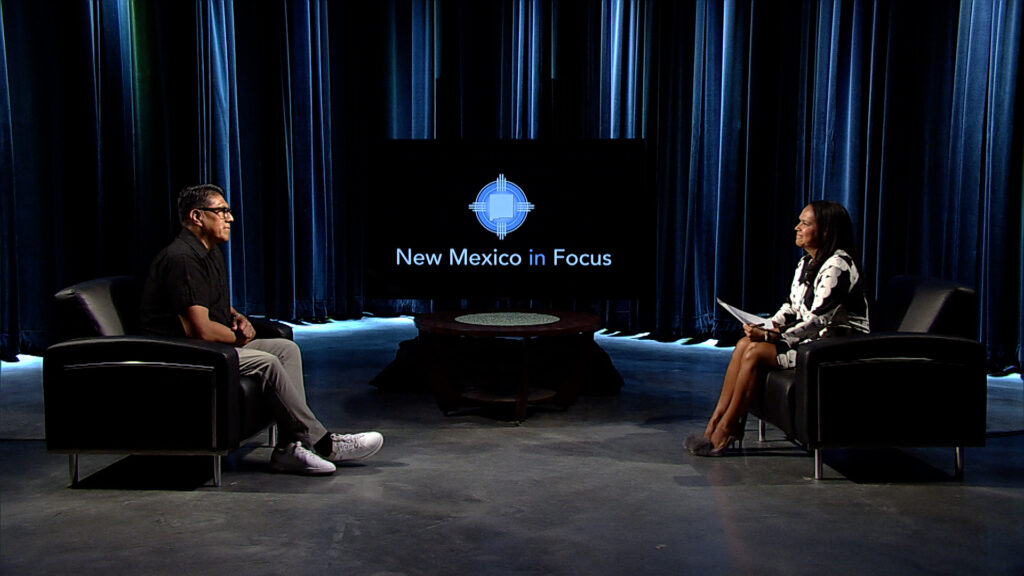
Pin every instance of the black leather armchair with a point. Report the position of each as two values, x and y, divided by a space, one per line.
108 389
917 380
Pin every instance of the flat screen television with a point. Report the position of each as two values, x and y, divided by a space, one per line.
510 219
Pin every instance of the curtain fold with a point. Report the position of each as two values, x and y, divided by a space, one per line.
522 70
701 185
307 119
1000 257
68 157
9 301
291 274
219 159
411 33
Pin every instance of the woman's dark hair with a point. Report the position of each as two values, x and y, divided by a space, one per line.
835 232
194 197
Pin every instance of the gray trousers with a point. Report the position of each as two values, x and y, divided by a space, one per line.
277 363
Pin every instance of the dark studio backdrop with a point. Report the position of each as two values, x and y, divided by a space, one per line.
906 112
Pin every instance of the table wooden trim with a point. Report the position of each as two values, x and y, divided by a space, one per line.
436 327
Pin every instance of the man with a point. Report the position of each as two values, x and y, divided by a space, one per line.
186 294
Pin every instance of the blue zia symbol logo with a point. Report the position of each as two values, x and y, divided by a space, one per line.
501 207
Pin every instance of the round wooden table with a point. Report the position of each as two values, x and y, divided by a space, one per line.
441 331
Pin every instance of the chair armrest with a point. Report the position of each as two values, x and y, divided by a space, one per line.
891 345
891 389
271 329
124 393
142 348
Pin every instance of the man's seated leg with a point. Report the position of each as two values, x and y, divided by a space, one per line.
286 396
278 363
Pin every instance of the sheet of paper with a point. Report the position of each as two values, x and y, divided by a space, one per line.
747 317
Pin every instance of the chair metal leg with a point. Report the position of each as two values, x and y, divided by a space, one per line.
272 435
818 467
760 430
73 468
216 470
959 464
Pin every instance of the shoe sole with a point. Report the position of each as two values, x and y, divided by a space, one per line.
301 472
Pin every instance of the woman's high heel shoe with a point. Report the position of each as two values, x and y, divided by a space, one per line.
701 445
708 449
693 441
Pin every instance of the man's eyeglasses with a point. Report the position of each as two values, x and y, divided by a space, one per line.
222 211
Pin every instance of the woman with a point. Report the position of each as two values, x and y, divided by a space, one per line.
825 299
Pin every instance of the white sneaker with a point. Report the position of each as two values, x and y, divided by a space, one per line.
355 446
297 459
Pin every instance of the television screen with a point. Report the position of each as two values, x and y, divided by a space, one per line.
510 219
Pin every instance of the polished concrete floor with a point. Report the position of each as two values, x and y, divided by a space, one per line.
602 488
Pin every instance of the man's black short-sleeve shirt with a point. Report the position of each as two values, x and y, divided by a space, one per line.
184 274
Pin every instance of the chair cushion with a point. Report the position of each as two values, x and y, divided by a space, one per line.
100 307
927 305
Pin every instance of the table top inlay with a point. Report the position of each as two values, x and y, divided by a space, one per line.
507 319
543 323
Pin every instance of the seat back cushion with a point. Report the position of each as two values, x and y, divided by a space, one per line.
101 307
930 305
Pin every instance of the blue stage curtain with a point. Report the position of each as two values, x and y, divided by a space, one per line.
490 72
908 113
701 144
68 158
999 269
412 68
522 72
622 56
115 106
905 115
291 274
217 136
9 313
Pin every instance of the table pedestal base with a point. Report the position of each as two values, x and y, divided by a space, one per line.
474 365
